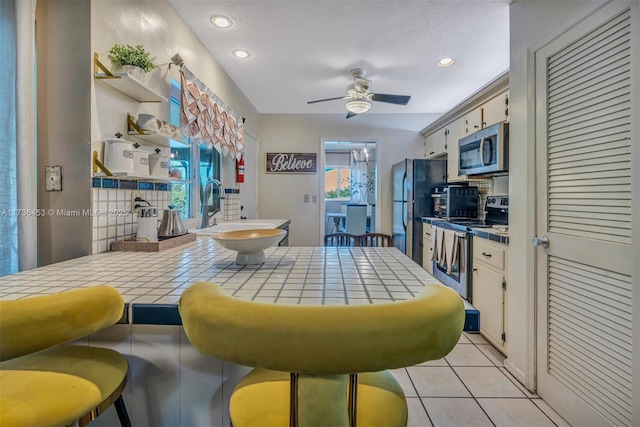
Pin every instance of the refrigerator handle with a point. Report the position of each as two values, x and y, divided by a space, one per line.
404 215
404 187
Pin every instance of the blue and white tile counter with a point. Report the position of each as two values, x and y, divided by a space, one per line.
291 275
170 383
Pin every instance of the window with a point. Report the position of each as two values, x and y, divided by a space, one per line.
179 161
337 182
209 168
196 164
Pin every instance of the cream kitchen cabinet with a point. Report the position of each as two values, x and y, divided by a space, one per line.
473 121
496 110
435 144
489 288
456 131
484 108
427 248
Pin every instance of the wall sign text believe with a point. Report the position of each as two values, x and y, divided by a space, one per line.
291 162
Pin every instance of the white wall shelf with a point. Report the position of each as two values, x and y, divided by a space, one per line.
133 177
125 83
150 136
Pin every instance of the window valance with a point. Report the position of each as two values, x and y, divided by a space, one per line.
204 117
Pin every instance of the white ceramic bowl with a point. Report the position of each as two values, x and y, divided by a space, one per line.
250 244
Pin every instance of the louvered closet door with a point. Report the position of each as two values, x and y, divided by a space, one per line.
584 172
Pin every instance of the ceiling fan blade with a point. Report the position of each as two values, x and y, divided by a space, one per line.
391 99
350 114
328 99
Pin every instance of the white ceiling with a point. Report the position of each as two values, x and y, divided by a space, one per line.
303 50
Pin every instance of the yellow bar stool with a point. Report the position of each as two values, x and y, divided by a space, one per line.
321 365
43 383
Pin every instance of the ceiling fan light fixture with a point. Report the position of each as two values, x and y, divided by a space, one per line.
358 106
242 54
221 21
445 62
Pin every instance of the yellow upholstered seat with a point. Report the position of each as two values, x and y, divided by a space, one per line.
42 384
324 346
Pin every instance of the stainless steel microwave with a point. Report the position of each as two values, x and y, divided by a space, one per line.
485 151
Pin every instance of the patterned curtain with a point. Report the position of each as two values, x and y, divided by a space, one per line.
206 118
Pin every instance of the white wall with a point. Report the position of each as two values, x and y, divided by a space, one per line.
532 24
281 195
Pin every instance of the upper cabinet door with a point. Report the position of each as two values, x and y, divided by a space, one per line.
456 130
496 110
473 121
436 144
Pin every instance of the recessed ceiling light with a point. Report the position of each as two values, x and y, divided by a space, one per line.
242 54
446 61
221 21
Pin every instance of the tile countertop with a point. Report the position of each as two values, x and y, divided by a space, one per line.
152 282
486 233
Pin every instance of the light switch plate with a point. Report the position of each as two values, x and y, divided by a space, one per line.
53 178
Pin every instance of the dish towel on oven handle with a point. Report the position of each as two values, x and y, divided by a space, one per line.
450 248
438 246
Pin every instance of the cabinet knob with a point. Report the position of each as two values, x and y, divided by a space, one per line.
486 254
475 270
431 152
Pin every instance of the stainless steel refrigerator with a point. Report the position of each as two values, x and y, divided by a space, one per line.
413 182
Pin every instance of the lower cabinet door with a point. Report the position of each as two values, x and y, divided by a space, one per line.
488 298
427 253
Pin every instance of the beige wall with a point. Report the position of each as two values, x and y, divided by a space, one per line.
532 24
64 126
282 195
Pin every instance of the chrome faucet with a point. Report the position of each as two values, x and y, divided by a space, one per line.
206 214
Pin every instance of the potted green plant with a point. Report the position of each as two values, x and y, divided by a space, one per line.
135 60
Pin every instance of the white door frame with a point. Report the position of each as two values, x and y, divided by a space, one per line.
321 166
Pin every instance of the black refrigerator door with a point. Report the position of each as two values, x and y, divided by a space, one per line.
427 175
399 225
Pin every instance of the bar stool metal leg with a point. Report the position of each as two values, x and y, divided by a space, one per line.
122 412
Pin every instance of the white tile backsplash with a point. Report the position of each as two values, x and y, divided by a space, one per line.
113 220
231 207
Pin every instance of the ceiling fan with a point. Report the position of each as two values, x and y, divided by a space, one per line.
360 98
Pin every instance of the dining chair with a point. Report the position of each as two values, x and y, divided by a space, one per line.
375 239
340 239
44 383
321 365
356 219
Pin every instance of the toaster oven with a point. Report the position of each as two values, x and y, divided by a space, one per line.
455 201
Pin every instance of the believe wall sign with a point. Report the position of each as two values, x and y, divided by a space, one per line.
291 162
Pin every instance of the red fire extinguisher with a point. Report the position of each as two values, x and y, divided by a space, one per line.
240 169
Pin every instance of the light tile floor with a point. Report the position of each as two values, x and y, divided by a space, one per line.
471 387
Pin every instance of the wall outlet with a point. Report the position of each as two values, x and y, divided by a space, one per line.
53 178
135 194
306 198
314 199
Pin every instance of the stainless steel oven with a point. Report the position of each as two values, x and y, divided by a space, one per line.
496 214
458 278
